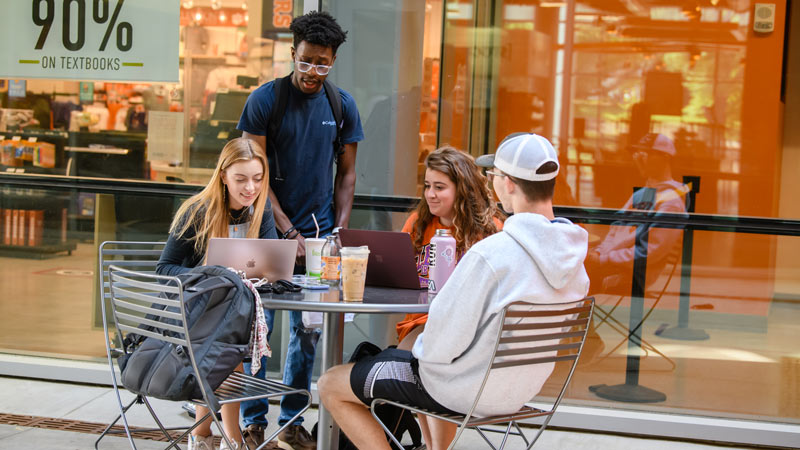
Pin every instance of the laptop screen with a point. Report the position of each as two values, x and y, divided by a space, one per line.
392 261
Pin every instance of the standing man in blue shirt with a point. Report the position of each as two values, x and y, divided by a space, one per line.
301 157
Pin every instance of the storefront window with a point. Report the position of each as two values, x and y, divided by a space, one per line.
128 142
168 132
595 80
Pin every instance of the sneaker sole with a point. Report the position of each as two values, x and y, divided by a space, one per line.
287 446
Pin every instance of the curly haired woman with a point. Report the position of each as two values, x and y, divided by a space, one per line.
456 197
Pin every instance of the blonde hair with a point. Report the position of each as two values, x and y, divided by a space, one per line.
208 212
474 207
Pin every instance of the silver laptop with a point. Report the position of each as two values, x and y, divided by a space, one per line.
272 259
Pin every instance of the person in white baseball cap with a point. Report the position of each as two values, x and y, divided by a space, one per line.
521 155
525 163
536 258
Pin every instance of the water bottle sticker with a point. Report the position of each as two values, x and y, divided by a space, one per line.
448 255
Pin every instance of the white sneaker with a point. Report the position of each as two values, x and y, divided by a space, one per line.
224 446
201 442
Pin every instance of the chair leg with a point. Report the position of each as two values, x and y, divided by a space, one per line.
155 418
108 428
174 442
603 316
291 421
505 436
122 411
622 329
385 428
143 400
485 438
521 434
539 431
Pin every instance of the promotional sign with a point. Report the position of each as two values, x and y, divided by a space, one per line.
165 136
112 40
16 88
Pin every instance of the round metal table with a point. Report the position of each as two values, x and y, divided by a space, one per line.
377 300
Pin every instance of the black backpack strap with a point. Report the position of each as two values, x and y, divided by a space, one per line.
335 100
281 88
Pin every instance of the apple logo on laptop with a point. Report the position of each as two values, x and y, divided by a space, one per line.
251 263
379 258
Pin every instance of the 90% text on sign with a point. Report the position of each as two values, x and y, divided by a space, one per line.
100 40
73 17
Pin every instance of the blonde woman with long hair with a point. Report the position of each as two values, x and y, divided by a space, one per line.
234 204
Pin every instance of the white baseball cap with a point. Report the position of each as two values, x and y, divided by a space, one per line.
521 155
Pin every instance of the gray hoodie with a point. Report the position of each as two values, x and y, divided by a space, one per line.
533 260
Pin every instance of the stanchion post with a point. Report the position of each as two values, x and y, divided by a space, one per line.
682 330
631 390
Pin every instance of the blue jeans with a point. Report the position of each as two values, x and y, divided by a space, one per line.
297 372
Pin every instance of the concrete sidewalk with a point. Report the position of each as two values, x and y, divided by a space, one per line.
97 405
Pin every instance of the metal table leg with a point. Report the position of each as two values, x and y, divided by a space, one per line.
332 347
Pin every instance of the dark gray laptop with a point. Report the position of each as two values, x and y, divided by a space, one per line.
392 260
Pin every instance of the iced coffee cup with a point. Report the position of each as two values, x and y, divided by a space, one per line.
354 272
314 257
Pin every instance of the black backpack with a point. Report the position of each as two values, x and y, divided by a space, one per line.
281 88
397 419
220 311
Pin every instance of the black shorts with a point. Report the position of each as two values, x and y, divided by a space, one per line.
392 375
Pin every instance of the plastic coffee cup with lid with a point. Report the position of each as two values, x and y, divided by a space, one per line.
354 272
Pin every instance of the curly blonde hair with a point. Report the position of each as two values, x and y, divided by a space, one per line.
474 206
208 210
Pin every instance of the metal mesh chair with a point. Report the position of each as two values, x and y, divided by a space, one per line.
133 294
530 334
656 293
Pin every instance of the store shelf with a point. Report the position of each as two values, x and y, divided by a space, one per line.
38 252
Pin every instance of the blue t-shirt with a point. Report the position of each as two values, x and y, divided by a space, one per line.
304 148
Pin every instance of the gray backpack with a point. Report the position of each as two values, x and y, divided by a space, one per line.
220 313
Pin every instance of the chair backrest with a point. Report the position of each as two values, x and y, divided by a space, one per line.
139 256
137 301
541 333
